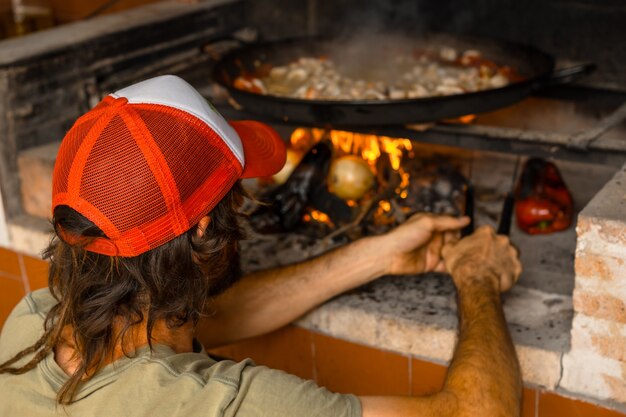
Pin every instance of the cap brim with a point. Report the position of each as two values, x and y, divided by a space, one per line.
264 150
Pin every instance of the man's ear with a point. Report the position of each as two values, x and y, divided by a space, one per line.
202 225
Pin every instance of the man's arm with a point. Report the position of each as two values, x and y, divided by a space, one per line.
483 378
267 300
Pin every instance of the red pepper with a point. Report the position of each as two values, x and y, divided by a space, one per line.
543 204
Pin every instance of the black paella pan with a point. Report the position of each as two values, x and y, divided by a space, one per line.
534 67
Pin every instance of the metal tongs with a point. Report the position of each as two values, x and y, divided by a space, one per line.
506 214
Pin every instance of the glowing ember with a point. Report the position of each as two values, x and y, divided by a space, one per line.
463 120
318 216
404 183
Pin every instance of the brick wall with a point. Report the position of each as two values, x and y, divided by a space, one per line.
596 363
71 10
48 79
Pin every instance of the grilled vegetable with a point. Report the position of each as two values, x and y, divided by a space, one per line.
286 204
350 177
543 204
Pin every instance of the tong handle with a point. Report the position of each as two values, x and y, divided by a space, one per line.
469 210
504 227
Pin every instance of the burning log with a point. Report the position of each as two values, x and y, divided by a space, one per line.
284 206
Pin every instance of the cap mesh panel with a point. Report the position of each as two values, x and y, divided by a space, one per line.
121 190
67 151
132 196
190 150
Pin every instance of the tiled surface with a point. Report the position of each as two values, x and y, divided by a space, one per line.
288 349
529 401
350 368
36 271
552 405
426 377
18 275
9 262
11 292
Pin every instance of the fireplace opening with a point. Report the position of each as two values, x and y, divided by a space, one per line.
411 177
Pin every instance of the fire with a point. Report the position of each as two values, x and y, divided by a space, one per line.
368 147
301 139
385 206
463 120
404 183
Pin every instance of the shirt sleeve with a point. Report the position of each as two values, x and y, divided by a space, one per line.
269 392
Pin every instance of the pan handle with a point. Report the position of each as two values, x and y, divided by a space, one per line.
222 44
566 75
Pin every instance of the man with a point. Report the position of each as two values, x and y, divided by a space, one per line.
144 266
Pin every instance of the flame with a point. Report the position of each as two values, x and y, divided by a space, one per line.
463 120
302 139
394 148
368 147
404 183
383 214
342 140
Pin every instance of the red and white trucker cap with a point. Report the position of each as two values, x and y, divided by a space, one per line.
150 160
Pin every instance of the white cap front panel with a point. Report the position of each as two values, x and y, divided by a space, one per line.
173 91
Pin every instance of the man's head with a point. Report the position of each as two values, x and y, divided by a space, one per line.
148 162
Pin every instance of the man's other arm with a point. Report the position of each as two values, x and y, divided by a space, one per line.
483 378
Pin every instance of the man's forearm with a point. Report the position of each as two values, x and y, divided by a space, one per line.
484 373
483 378
266 300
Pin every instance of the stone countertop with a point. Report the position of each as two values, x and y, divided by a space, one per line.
416 315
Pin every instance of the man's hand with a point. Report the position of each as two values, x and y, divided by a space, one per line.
415 246
483 256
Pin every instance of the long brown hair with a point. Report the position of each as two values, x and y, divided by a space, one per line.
172 282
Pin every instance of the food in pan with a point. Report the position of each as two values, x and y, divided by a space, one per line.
422 74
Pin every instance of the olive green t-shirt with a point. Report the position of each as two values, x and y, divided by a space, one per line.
155 384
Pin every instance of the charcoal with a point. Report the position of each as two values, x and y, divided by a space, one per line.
285 205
